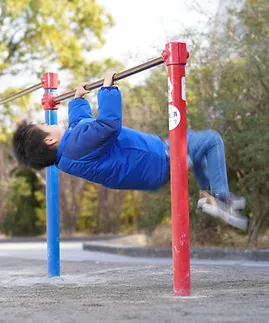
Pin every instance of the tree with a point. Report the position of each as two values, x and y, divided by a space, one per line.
228 90
25 203
35 34
251 119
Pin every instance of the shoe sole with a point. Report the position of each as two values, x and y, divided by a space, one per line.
239 222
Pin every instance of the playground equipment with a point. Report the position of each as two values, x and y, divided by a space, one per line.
175 56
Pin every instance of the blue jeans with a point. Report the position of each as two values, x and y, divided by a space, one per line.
206 158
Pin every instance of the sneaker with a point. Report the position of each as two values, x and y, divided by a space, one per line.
236 202
226 212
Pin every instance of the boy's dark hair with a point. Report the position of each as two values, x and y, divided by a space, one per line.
29 146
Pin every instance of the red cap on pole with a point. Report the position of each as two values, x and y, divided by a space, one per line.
175 56
49 83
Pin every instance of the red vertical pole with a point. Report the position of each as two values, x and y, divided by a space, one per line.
175 56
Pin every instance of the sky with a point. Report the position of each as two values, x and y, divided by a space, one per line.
144 26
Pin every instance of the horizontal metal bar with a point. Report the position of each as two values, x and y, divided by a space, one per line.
21 93
117 77
92 86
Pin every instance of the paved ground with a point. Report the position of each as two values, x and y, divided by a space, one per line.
96 287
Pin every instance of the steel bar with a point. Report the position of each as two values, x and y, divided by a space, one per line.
117 77
21 93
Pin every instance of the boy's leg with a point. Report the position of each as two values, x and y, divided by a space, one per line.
197 150
206 150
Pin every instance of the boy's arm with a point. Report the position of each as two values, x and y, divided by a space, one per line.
110 105
109 102
79 108
99 134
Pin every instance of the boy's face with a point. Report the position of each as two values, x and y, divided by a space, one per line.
55 133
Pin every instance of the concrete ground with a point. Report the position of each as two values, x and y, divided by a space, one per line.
96 287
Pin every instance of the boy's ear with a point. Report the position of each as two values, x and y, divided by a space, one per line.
50 141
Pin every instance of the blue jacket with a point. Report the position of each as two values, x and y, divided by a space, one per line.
103 151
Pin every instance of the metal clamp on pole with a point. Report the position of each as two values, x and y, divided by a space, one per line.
50 84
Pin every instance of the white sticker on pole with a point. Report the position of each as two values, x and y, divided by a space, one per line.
183 88
174 117
170 89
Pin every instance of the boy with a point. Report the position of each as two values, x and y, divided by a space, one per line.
103 151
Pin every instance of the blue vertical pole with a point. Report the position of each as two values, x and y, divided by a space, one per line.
52 201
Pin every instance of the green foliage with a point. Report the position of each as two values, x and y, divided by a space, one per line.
50 31
156 209
247 116
145 106
25 213
88 209
131 211
231 93
37 36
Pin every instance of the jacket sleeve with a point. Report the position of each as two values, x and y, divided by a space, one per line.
110 104
96 137
78 109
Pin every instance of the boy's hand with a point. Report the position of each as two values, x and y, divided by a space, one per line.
81 91
108 79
